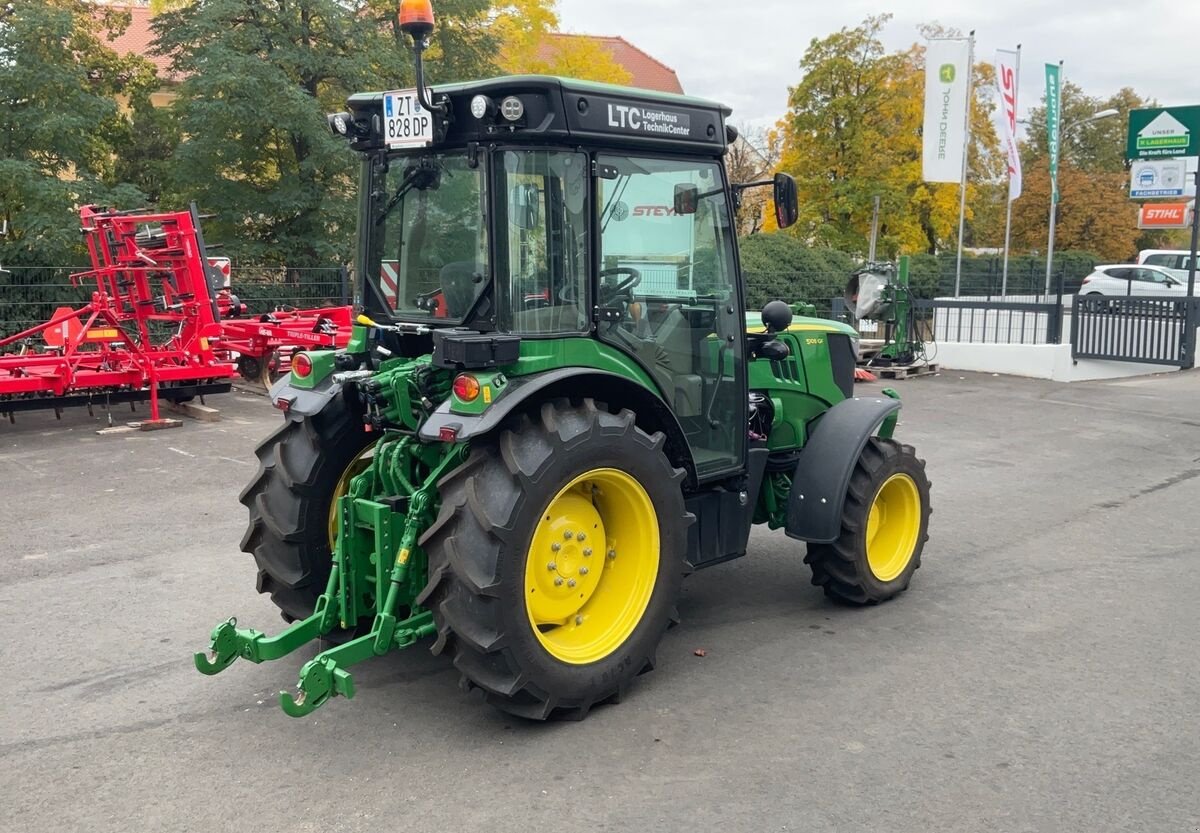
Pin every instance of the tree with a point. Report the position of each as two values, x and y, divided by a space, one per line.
1093 146
1095 213
753 157
525 27
59 123
1098 149
853 132
260 75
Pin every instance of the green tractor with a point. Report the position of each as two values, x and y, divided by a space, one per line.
554 406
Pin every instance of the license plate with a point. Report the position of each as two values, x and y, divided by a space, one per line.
405 122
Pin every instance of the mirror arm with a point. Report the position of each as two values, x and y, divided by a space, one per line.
424 94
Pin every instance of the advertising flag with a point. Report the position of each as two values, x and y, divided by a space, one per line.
1053 119
1006 116
947 77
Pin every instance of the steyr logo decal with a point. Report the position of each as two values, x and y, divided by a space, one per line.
946 73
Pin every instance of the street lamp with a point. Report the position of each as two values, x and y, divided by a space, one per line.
1103 114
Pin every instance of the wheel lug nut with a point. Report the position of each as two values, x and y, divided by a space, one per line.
578 620
612 553
551 566
583 571
581 536
570 583
568 535
587 552
555 547
558 582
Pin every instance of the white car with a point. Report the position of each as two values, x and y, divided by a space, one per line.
1175 261
1119 280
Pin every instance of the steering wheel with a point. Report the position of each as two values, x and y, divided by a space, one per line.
621 290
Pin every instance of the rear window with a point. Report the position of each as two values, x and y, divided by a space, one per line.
1168 261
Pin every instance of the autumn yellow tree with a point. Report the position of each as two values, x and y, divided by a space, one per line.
526 29
1095 213
853 132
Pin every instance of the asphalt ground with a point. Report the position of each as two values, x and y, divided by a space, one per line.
1041 674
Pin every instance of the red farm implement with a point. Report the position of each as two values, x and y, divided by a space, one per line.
264 344
162 323
147 332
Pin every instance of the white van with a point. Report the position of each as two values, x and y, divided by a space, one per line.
1175 261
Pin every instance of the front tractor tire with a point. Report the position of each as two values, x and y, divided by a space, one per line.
557 559
304 466
885 523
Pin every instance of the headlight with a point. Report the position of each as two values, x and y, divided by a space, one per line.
512 108
481 106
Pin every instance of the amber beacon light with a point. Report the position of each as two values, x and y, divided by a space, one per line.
416 18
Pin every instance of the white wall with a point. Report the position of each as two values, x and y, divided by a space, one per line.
1037 361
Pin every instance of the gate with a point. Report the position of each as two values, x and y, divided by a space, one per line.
1135 329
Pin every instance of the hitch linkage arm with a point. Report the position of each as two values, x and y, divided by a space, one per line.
230 642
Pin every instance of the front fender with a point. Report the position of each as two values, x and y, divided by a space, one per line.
827 463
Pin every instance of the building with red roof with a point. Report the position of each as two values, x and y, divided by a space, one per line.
647 72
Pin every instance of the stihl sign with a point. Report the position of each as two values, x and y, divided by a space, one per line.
1163 215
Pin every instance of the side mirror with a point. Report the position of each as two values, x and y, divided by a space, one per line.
524 202
787 206
687 198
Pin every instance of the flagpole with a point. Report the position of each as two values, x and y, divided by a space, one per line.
962 186
1054 178
1008 218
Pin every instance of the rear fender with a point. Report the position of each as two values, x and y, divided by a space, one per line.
826 465
523 392
304 401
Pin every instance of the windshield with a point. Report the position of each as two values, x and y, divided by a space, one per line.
430 218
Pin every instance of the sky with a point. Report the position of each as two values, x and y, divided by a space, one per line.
746 53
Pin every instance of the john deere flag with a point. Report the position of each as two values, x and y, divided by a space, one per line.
947 76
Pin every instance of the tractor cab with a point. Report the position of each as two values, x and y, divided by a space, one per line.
559 210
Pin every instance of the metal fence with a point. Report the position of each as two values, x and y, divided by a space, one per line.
29 295
985 321
1135 329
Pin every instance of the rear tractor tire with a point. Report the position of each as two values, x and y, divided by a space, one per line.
304 467
885 524
557 559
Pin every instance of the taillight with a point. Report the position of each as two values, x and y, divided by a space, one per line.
466 387
1087 279
302 365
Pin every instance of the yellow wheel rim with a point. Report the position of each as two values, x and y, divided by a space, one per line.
591 566
357 466
893 527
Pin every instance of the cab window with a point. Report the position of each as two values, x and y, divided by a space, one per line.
545 242
431 219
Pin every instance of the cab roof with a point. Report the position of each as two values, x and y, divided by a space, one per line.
562 109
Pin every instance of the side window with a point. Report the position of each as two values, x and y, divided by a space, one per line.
546 242
1150 276
1120 274
1159 260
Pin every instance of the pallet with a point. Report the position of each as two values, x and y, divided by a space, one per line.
868 349
906 371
